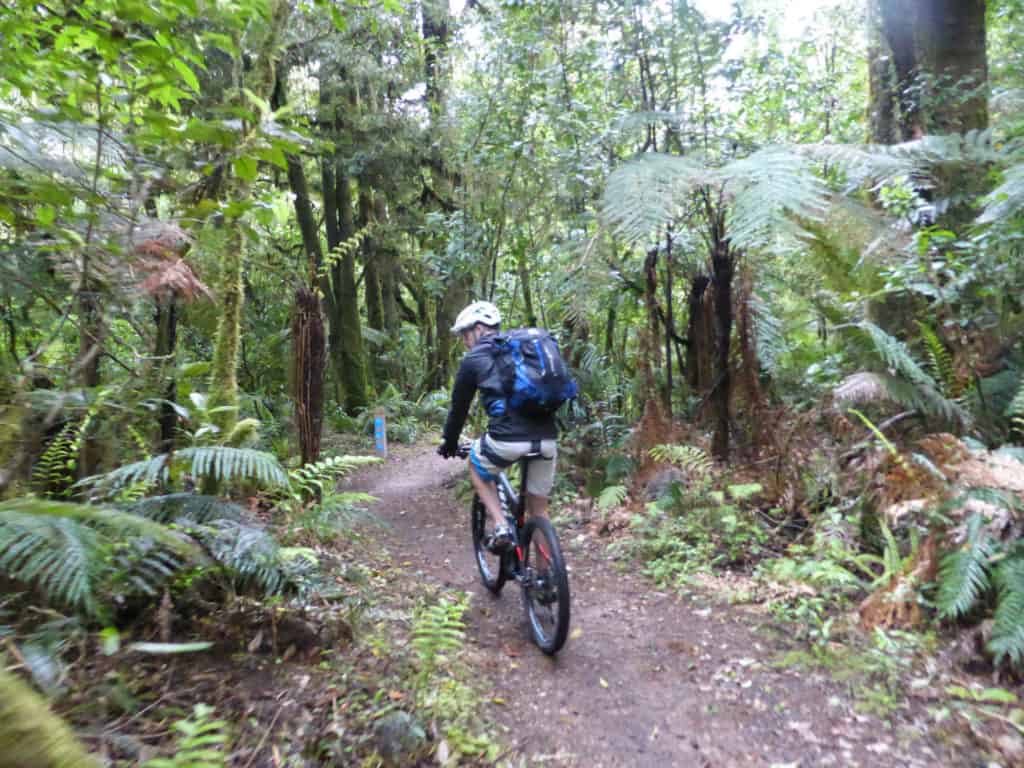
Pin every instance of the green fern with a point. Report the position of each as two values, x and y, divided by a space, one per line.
55 471
202 742
939 361
195 507
64 550
438 630
342 249
319 479
926 393
217 462
1008 627
693 460
1015 410
1006 200
612 497
767 193
964 574
250 555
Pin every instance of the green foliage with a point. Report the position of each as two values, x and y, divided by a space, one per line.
689 458
320 479
698 530
964 574
30 734
767 193
611 497
67 551
221 463
1008 627
202 742
438 630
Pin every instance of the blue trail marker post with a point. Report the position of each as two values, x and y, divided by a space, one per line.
380 433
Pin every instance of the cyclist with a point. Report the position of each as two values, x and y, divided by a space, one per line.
510 435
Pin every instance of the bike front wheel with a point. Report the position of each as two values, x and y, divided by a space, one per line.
545 585
492 569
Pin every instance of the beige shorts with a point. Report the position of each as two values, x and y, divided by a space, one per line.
490 457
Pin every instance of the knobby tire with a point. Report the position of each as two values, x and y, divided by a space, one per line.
539 531
491 566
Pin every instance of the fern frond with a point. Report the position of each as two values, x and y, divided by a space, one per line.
1008 626
897 356
1007 200
644 195
1015 410
940 361
220 462
964 574
321 477
62 548
692 459
438 629
769 335
200 742
611 497
227 464
250 554
771 190
192 506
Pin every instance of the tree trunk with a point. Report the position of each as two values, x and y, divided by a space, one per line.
928 70
164 351
650 348
308 364
524 279
699 336
669 325
371 278
722 261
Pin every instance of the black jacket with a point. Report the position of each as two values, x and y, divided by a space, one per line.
478 372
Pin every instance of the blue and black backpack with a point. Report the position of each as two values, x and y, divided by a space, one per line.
533 374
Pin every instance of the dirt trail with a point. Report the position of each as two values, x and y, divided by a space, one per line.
647 678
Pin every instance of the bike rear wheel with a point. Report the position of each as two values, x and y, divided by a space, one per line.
492 569
545 585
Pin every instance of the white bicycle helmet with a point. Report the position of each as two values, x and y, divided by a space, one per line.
477 312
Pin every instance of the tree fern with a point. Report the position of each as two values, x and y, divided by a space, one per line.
964 574
771 191
1008 627
768 192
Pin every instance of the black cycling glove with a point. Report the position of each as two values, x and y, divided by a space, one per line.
447 450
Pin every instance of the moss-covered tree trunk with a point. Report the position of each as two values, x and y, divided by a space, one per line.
348 356
31 736
260 81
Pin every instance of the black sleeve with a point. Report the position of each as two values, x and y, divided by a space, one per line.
462 398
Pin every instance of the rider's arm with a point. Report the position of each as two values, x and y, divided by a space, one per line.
462 398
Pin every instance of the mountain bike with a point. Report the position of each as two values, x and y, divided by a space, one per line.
534 561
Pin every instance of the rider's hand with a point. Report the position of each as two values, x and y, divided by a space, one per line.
447 450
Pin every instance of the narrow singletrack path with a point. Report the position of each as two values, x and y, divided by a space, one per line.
646 678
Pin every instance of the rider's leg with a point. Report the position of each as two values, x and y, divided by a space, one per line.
488 493
536 505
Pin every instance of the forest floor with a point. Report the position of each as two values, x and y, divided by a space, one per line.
647 678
